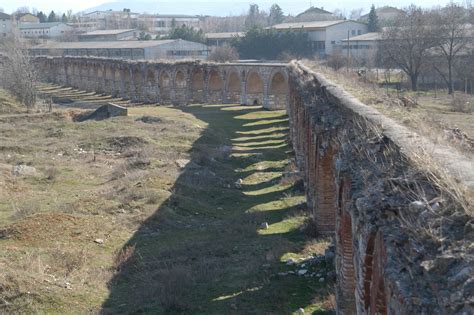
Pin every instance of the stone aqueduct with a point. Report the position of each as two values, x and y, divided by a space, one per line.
357 170
177 83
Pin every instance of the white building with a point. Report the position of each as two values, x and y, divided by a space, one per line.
362 48
162 24
173 49
220 39
45 30
325 36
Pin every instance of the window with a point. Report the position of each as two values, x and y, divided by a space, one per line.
353 32
333 42
319 45
359 32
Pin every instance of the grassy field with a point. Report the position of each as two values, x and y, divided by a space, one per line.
158 212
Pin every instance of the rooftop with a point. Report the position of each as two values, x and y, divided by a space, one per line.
108 45
365 37
40 25
107 32
4 16
227 35
308 25
314 10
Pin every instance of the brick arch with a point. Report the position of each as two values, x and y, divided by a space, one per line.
216 87
126 83
255 88
150 86
164 84
278 90
180 86
345 255
233 86
198 85
376 299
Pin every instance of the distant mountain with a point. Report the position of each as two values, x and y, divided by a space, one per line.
199 7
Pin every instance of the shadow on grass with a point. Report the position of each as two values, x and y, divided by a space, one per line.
202 252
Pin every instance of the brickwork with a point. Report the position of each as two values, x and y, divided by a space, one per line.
354 173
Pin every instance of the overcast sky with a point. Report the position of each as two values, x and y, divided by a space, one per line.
224 7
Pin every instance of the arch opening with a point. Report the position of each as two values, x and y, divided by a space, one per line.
216 87
255 89
198 86
233 88
165 87
180 87
278 91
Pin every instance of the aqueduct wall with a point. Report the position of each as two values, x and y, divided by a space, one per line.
172 83
403 240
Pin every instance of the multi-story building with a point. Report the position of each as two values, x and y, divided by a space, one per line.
6 25
162 24
325 36
45 30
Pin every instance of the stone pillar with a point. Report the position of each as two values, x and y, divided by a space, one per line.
243 91
266 99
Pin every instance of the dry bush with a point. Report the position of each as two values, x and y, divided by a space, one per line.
174 288
462 104
124 257
65 261
51 173
336 60
224 53
25 209
152 197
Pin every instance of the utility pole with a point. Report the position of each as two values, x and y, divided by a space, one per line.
348 50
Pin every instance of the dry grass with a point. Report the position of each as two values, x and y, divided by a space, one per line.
430 117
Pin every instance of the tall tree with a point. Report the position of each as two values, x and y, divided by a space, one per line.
452 35
52 17
276 15
408 41
253 17
187 33
41 16
373 21
64 18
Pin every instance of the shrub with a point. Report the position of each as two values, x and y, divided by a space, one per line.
223 54
462 104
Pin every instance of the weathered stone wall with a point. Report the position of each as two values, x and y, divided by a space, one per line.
172 83
403 240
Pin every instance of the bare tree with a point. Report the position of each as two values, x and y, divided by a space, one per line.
408 41
452 38
19 75
223 54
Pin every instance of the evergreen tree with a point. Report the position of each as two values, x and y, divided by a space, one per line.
373 22
276 15
41 16
64 18
253 17
52 17
187 33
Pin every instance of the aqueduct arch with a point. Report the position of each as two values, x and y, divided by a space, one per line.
234 87
255 88
164 86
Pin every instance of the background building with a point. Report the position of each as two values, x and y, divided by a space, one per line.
24 18
45 30
150 50
6 25
109 35
325 36
220 39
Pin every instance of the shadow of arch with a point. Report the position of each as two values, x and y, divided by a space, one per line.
255 88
